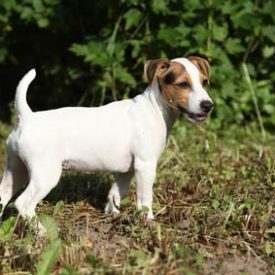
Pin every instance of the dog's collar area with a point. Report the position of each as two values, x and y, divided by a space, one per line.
195 117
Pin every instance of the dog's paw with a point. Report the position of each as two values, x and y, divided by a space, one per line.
150 216
145 213
111 209
113 203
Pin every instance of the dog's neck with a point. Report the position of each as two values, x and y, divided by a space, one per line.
153 95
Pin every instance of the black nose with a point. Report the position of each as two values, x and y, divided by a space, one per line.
206 106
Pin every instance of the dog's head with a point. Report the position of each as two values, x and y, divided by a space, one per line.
182 83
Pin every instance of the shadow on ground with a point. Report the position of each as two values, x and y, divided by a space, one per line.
74 187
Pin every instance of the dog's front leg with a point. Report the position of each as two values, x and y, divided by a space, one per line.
145 175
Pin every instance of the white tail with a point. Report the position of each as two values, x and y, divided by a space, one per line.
21 106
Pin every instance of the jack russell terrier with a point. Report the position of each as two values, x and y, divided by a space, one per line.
126 137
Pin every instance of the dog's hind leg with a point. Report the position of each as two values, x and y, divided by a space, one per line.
118 190
14 178
44 177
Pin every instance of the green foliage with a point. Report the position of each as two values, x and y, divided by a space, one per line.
6 228
50 254
48 258
99 49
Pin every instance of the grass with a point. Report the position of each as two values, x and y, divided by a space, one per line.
214 202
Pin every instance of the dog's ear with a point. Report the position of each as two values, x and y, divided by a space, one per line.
202 64
156 67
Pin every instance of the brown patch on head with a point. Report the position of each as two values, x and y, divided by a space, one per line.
175 86
155 68
203 66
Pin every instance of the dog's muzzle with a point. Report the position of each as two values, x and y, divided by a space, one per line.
197 117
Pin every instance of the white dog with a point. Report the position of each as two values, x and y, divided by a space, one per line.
126 137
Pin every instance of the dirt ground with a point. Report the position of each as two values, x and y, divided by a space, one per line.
110 238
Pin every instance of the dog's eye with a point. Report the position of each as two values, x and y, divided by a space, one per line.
205 82
184 85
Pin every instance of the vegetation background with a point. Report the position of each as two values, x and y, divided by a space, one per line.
92 52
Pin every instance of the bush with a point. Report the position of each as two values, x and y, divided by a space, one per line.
92 53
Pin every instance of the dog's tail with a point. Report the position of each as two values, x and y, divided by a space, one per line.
21 106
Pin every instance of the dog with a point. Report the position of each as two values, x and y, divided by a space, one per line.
126 137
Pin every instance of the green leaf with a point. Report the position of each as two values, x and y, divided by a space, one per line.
3 54
269 8
9 4
136 44
48 258
123 76
229 7
69 270
92 260
246 18
51 227
112 40
58 207
160 6
219 32
38 5
233 46
269 248
269 108
43 22
215 204
94 53
6 226
139 258
50 255
271 230
168 35
26 13
269 32
125 201
201 34
132 17
79 50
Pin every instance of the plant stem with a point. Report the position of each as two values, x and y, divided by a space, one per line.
255 101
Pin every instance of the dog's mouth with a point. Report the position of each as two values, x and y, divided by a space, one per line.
197 118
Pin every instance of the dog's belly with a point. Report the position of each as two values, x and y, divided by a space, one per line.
117 163
94 151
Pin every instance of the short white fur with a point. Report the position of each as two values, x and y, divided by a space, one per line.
126 137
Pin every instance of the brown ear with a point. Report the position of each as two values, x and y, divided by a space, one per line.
202 64
155 67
